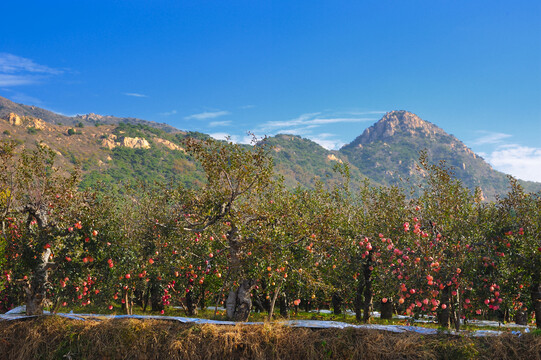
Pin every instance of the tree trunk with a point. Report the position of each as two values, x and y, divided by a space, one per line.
444 315
284 306
367 273
191 307
521 317
146 297
536 301
359 300
128 304
36 291
336 304
239 302
387 309
307 305
273 302
155 295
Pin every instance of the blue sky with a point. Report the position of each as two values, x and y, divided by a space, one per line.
324 70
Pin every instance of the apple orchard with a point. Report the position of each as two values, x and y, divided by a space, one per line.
244 241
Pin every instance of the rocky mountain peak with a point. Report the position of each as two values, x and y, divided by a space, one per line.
394 123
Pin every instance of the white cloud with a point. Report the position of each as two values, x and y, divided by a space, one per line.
327 142
522 162
244 107
135 95
316 119
296 131
490 137
16 71
219 123
247 139
12 64
16 80
169 113
207 115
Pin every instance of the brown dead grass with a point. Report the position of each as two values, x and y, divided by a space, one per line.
57 338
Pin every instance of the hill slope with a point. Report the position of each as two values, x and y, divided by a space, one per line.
8 106
115 149
388 152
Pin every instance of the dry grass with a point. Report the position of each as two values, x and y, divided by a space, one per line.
57 338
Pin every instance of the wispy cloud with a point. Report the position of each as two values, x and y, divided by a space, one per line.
135 95
16 70
207 115
315 119
16 80
328 141
522 162
489 137
169 113
220 123
244 107
12 64
246 139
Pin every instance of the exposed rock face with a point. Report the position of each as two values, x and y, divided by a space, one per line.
14 119
37 123
168 144
394 122
18 120
90 117
332 157
111 142
135 143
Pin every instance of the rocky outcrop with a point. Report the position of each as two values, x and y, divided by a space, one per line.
135 143
18 120
332 157
168 144
393 122
14 119
90 117
111 141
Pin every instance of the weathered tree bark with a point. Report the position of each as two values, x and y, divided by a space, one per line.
307 305
284 306
536 301
444 316
191 306
387 309
128 303
155 295
36 291
359 300
367 274
521 317
336 304
239 302
273 302
146 297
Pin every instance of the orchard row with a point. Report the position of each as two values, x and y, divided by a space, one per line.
242 240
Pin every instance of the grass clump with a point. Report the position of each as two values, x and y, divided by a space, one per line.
54 337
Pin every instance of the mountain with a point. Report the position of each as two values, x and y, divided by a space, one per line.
115 149
302 161
387 152
9 107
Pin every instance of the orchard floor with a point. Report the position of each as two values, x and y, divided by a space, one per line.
57 337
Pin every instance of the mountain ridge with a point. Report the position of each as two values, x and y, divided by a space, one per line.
386 153
7 106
